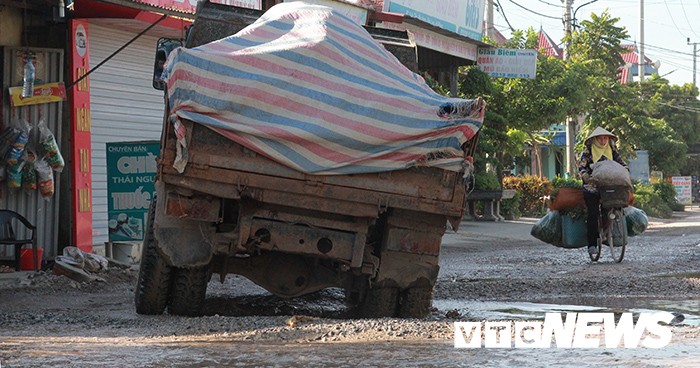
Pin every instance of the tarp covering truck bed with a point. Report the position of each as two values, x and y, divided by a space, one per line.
309 88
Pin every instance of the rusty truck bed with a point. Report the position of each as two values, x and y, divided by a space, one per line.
215 160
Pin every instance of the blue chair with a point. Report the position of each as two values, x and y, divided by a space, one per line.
7 235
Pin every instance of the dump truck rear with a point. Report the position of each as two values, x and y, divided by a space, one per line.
263 184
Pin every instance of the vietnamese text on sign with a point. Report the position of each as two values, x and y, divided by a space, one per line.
508 63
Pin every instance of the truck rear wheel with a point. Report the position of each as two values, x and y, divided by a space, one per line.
415 302
379 302
152 288
188 291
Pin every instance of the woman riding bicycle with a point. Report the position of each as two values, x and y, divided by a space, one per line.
600 146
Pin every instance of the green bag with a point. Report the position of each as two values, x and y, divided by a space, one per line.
636 220
548 228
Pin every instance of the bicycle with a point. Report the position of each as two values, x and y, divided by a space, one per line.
613 233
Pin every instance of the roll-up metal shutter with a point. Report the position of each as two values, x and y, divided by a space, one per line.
43 213
124 105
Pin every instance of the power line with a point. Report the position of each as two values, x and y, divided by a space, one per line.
503 13
672 20
556 5
659 47
685 14
682 108
534 12
679 66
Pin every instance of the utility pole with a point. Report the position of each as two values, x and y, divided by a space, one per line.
641 68
568 4
695 55
488 18
570 120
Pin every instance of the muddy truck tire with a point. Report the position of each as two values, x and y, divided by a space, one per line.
188 291
379 302
415 302
153 285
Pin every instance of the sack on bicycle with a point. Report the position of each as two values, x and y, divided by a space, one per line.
636 219
548 228
610 173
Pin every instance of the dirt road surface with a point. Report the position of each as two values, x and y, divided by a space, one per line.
489 272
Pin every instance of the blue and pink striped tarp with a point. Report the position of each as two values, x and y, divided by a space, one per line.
311 89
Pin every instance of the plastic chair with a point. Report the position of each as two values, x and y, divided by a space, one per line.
7 235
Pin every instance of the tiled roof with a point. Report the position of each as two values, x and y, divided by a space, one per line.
497 36
631 66
633 55
546 46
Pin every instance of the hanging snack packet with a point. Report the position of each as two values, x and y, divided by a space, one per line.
14 175
28 173
48 142
45 175
14 152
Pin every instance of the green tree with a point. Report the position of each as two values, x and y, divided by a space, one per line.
598 43
532 105
678 105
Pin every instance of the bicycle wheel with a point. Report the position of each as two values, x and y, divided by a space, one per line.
596 256
617 241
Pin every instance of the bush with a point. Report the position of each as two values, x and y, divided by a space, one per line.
667 192
486 181
510 208
654 199
532 190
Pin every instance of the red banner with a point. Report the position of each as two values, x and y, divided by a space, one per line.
81 152
189 6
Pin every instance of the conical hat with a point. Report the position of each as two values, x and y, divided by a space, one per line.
598 132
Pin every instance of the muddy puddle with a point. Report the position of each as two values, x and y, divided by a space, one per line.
200 351
687 311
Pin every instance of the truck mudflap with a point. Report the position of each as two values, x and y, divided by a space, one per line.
182 242
404 270
409 256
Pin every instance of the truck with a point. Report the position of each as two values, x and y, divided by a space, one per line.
288 218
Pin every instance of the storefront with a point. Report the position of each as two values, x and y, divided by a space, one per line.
117 101
32 172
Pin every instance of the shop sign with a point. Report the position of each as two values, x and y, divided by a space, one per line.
44 93
508 63
462 17
684 193
131 171
435 41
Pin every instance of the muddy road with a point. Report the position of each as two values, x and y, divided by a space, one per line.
489 271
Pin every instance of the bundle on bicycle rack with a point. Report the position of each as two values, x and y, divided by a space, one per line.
614 196
560 230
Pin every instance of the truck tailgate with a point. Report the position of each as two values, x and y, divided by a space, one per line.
213 158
